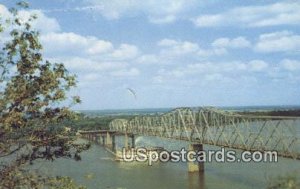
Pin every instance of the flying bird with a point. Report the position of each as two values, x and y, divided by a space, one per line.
131 91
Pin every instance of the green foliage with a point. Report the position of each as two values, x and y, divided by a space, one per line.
63 183
23 178
31 91
84 122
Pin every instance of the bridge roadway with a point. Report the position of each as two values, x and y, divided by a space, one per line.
208 125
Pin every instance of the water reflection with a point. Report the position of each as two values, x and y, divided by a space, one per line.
196 180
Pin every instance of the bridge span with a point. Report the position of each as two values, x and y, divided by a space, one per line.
208 125
212 126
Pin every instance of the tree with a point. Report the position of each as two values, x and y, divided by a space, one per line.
32 92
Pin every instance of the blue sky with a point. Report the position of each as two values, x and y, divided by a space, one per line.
174 52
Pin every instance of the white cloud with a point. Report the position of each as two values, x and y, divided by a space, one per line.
163 20
284 41
214 77
125 51
213 70
100 47
165 11
197 74
43 23
4 12
171 50
208 20
84 64
167 42
257 65
290 65
148 59
89 56
238 42
230 73
90 77
175 48
66 43
86 56
126 72
211 52
283 13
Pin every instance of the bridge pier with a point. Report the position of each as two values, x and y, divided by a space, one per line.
97 139
108 139
113 147
196 166
126 141
105 137
103 140
132 141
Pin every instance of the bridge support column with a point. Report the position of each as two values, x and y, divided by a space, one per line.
103 140
113 147
97 139
196 166
108 139
132 141
126 141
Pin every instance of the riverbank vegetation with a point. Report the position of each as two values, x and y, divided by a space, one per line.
288 113
86 123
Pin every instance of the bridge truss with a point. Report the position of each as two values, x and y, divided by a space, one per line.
220 128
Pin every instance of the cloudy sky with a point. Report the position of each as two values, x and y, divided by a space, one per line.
174 52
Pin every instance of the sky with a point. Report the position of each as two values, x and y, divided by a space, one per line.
173 53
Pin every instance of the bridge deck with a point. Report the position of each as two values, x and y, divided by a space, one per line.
220 128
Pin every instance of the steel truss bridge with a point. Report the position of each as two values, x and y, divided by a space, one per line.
217 127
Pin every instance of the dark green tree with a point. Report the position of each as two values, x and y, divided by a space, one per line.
32 92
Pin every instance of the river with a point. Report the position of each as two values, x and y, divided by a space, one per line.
97 169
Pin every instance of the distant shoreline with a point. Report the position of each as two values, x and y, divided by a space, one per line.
236 108
287 110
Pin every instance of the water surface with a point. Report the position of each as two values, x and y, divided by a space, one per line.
99 170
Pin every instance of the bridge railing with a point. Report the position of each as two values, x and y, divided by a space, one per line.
221 128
